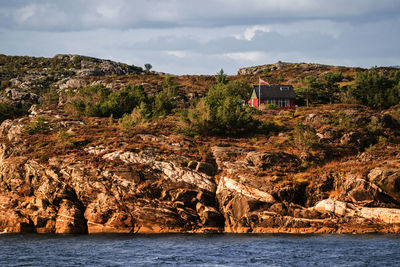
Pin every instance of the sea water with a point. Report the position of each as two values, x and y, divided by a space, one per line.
199 250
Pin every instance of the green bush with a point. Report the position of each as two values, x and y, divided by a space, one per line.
221 112
148 66
272 106
8 111
133 123
305 137
39 125
165 101
377 89
315 90
221 77
99 101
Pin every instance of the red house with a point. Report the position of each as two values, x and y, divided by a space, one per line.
280 95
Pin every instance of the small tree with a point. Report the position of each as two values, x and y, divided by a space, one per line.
221 112
376 89
170 88
305 136
331 84
165 101
221 77
148 66
310 90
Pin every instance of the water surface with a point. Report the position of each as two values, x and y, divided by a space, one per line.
199 250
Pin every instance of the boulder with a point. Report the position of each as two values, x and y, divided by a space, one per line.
21 98
11 130
209 216
14 222
388 179
339 208
70 219
359 190
342 209
207 168
274 160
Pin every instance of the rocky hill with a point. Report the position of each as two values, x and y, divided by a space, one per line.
319 169
25 79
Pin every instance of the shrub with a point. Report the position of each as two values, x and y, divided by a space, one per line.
272 106
311 86
331 86
221 112
148 66
305 136
39 125
133 123
165 101
221 77
50 97
4 83
377 89
99 101
8 111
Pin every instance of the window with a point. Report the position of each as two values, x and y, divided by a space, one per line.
283 102
284 88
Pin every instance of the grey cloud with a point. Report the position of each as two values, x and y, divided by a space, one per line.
55 15
187 36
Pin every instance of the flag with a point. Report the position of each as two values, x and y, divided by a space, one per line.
261 81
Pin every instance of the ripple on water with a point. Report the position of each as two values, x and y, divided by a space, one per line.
199 250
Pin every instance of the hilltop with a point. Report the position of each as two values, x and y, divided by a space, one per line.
49 76
103 147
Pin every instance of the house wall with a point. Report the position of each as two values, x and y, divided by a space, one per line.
253 102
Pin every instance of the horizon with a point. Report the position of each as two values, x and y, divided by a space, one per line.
186 37
211 74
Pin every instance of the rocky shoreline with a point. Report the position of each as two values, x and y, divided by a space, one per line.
237 190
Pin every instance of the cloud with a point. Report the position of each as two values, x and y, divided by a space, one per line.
188 36
77 15
177 53
249 57
249 33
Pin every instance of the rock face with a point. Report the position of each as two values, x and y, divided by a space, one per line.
111 190
140 195
276 66
96 67
21 98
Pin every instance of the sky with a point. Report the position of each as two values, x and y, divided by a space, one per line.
203 36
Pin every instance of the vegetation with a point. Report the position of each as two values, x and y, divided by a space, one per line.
331 85
39 125
305 137
8 111
135 122
272 106
148 67
221 77
221 112
377 89
374 88
316 90
100 101
165 101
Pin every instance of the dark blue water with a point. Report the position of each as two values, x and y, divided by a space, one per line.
200 250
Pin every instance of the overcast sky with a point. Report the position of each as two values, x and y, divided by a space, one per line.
203 36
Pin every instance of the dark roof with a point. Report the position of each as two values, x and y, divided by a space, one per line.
275 91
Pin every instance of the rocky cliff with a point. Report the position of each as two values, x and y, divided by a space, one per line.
84 176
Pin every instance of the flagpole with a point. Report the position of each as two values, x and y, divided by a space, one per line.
259 92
